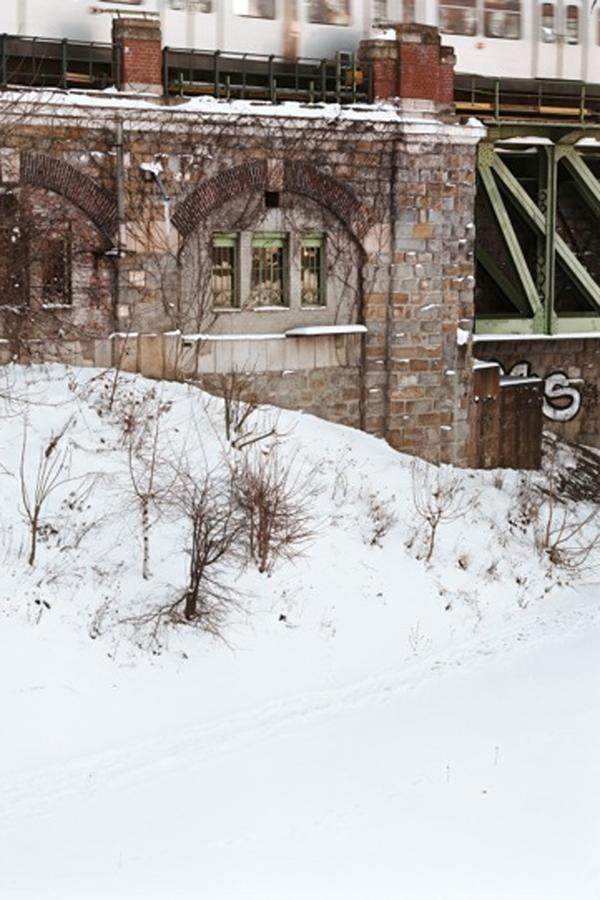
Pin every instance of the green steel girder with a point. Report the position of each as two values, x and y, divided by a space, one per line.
574 269
562 325
509 290
512 241
550 236
586 182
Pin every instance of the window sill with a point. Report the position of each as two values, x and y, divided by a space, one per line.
307 308
269 309
57 306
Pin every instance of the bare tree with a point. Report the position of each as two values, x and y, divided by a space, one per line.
240 405
213 529
52 473
438 497
274 498
151 479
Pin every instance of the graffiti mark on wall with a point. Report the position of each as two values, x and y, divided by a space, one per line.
562 400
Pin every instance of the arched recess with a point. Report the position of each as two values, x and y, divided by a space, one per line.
40 170
260 175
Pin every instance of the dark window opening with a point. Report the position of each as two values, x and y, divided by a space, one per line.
272 199
56 271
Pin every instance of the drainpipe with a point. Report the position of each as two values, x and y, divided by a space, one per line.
389 323
117 251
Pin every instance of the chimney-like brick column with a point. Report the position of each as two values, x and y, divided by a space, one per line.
138 49
413 65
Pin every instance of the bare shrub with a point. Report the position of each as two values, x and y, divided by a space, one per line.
240 405
526 509
52 473
273 497
565 537
382 517
438 497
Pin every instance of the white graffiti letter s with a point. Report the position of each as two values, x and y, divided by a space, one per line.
557 387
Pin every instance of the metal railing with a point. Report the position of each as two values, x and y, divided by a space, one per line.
514 98
272 78
42 62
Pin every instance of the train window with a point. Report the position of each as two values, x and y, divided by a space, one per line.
502 19
547 23
380 13
403 11
572 24
201 6
329 12
257 9
458 16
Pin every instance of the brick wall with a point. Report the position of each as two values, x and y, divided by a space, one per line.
414 66
570 368
138 44
394 195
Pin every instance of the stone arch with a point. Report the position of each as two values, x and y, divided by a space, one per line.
263 175
40 170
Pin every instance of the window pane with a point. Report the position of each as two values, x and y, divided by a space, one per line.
502 19
329 12
56 270
312 291
224 275
267 282
258 9
548 29
458 16
572 30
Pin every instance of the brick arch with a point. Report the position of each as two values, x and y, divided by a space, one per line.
260 175
40 170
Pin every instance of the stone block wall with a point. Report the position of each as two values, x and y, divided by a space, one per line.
570 370
319 374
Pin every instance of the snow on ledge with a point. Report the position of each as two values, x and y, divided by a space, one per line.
480 364
306 331
509 380
193 338
315 330
576 335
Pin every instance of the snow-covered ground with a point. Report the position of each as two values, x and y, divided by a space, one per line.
374 726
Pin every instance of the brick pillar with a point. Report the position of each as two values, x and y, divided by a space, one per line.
138 50
413 65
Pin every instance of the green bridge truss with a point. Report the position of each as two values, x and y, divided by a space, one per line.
538 228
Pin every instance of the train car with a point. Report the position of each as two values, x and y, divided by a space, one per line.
508 38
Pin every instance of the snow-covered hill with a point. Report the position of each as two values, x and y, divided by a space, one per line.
372 725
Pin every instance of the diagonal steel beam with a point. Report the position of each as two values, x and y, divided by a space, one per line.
586 182
510 291
571 264
510 236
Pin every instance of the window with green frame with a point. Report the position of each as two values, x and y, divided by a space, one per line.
225 271
268 279
312 281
